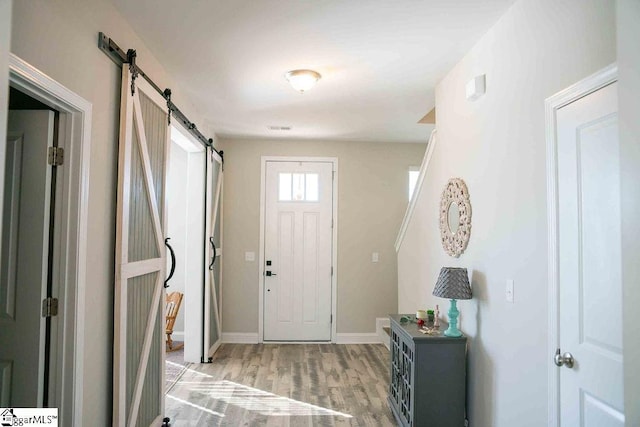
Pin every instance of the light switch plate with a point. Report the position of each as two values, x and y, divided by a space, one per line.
249 256
375 257
509 291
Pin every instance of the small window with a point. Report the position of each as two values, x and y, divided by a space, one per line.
298 187
414 172
311 187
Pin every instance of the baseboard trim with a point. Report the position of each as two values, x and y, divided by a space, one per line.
240 338
357 338
378 337
383 337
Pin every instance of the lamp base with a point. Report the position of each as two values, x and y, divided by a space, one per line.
452 330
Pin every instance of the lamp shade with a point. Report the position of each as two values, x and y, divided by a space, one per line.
453 283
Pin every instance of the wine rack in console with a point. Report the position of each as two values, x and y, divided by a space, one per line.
427 385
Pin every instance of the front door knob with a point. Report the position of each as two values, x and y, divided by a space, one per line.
565 359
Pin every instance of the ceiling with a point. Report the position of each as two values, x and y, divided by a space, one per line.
380 61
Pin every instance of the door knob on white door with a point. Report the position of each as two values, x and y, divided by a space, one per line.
565 359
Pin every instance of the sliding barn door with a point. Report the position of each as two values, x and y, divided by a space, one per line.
213 273
140 256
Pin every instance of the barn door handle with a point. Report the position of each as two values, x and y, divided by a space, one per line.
173 262
215 253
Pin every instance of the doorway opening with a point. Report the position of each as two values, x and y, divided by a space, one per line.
28 227
185 229
194 202
185 215
186 175
43 181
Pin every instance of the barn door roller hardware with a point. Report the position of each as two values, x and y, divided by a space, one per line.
120 57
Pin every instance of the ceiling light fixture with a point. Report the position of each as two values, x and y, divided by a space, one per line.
302 80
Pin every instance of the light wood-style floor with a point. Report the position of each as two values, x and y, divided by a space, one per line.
284 385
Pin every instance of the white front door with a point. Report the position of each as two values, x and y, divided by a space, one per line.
298 251
591 392
25 254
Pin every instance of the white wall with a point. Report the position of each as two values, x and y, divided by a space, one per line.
60 37
497 145
195 195
372 197
177 211
628 14
193 256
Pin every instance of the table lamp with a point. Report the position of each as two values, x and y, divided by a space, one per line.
453 283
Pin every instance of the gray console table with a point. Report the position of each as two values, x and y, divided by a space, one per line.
427 386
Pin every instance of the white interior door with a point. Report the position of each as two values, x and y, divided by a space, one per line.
298 251
591 392
139 349
25 254
213 245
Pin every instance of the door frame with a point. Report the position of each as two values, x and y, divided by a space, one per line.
71 223
5 47
193 291
334 238
574 92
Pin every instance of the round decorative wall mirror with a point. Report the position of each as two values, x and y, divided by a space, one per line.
455 217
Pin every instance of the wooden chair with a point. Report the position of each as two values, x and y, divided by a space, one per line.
173 301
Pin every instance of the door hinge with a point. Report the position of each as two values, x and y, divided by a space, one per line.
331 271
331 319
56 156
49 307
